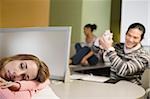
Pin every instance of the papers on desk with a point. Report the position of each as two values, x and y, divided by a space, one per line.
89 77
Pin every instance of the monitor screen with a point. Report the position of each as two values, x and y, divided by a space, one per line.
50 44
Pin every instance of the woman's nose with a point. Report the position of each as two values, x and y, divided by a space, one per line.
18 73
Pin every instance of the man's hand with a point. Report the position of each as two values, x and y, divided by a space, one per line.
105 43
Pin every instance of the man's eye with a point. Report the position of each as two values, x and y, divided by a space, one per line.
135 37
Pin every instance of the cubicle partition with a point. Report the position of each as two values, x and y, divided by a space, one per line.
50 44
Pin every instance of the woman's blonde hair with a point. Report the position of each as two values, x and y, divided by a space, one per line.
43 71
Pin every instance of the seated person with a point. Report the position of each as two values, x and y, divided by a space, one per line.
21 76
128 60
84 55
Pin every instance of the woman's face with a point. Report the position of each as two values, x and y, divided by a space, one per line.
133 37
20 70
87 31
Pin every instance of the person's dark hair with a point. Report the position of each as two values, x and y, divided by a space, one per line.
43 71
92 26
138 26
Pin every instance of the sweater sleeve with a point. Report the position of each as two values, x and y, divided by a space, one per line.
95 49
132 66
32 85
8 94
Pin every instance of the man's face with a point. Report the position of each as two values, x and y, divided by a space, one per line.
133 37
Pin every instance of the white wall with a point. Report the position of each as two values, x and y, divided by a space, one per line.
136 11
98 12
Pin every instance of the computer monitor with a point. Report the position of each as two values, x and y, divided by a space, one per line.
50 44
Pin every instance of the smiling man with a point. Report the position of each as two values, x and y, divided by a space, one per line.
128 60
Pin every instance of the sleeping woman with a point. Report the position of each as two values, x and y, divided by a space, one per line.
21 76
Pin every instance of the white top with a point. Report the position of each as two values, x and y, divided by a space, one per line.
78 89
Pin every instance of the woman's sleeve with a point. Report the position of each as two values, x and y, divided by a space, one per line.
32 85
8 94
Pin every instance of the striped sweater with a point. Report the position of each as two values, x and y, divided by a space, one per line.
127 66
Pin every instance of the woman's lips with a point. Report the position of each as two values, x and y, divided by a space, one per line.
7 77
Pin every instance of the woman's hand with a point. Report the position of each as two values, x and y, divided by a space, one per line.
2 80
14 86
84 61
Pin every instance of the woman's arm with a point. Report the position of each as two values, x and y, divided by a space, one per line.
33 85
85 58
24 85
8 84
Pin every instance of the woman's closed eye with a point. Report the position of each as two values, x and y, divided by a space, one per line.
26 77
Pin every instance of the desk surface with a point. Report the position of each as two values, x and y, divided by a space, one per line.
78 89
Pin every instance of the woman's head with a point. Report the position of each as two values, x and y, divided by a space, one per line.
23 67
89 28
